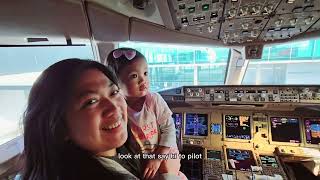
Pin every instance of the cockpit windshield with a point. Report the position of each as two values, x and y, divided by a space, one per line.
289 63
172 66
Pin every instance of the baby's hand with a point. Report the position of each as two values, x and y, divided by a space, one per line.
171 166
151 168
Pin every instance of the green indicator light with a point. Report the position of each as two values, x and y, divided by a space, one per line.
192 9
205 7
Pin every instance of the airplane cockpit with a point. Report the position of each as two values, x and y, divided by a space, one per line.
240 76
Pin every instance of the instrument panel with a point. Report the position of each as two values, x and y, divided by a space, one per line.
244 94
236 127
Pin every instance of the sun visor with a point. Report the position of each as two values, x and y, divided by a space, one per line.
107 25
144 31
39 22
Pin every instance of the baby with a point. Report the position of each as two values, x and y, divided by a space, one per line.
149 115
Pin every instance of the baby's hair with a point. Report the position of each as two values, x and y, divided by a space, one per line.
121 57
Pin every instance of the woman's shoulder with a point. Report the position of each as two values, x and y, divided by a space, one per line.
91 170
79 164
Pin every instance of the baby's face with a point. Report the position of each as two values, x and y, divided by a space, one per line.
134 78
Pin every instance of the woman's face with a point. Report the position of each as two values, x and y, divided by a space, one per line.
97 114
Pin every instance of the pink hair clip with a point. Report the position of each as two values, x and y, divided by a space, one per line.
129 54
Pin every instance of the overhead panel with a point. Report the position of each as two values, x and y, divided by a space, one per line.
245 21
242 30
298 6
201 17
282 26
249 8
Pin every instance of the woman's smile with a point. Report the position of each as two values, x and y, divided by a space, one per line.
114 127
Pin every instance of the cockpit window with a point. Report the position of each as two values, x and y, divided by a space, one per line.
176 65
19 68
289 63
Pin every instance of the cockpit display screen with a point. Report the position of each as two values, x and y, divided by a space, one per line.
196 124
285 129
237 127
240 159
312 130
177 118
269 161
214 155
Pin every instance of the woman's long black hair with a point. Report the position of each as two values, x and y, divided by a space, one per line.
47 154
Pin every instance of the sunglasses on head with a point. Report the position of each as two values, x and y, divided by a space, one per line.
129 54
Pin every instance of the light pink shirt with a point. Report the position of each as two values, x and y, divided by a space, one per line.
153 125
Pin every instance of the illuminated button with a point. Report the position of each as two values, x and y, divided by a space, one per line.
188 90
192 9
184 20
200 90
201 18
214 15
205 7
197 94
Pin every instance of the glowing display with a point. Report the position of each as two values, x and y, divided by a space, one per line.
312 126
214 155
284 129
216 128
268 161
177 118
196 124
237 127
240 159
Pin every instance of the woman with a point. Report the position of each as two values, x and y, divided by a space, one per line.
75 121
